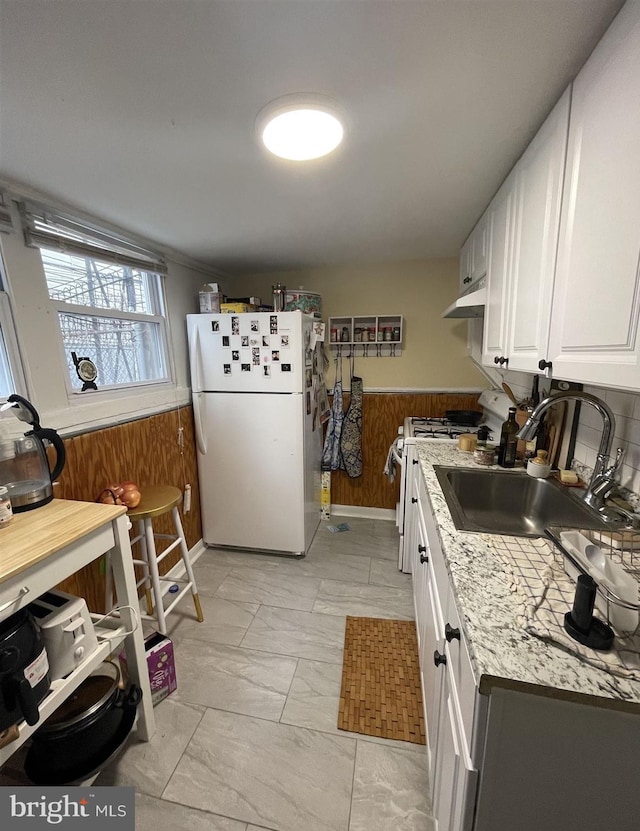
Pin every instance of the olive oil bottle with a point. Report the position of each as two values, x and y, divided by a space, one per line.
508 441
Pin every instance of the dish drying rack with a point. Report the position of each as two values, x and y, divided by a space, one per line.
612 559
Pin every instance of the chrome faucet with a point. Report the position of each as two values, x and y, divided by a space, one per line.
604 478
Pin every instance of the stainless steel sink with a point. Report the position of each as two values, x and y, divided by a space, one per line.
497 502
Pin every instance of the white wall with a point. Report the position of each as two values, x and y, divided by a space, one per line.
44 362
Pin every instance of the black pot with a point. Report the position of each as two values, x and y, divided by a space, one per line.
85 732
24 670
465 418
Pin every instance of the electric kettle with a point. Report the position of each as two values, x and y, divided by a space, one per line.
24 466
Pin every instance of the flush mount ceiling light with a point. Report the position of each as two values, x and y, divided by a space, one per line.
300 127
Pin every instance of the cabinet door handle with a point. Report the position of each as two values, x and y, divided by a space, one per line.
414 461
451 633
424 559
413 500
467 280
545 365
439 658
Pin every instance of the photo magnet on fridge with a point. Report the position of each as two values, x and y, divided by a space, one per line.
255 325
215 325
227 369
245 367
275 355
266 371
245 340
285 367
254 342
225 340
235 325
273 324
235 354
284 341
308 403
307 378
265 340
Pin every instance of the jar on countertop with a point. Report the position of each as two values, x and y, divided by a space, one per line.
485 455
6 511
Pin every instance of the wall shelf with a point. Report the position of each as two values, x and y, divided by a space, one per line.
374 336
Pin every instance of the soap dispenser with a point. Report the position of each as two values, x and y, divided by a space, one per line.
539 467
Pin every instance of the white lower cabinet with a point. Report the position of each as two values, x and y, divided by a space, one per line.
444 672
509 758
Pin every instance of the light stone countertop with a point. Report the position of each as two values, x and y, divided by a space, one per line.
501 652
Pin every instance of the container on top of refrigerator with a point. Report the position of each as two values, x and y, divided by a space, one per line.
306 301
210 298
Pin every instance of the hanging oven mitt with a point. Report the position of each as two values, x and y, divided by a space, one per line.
351 438
331 450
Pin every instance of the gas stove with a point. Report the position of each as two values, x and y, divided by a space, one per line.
435 428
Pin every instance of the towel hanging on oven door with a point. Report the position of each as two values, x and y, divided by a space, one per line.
351 437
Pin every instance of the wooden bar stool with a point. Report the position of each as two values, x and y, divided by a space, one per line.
156 501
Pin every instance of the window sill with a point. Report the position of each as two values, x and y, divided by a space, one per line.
96 410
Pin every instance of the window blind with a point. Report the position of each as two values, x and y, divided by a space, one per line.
6 224
44 228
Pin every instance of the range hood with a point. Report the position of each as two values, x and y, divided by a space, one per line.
469 305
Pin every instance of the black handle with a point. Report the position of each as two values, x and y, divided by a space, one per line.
26 411
413 500
27 701
423 556
501 360
545 365
451 633
46 434
439 658
414 461
467 280
424 559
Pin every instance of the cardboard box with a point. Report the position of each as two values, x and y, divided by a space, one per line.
160 664
236 308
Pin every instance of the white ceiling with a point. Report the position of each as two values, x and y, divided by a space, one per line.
142 112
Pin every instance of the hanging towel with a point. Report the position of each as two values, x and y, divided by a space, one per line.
389 469
331 451
351 438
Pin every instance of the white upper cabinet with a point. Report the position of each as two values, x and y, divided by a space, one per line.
594 333
501 213
539 178
473 255
524 219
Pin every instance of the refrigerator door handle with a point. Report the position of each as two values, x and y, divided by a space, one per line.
201 441
194 360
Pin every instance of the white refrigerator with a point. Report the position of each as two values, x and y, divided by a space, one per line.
258 434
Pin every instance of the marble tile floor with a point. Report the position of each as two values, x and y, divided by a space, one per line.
249 740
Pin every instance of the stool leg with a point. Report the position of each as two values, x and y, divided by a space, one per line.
108 583
144 556
187 563
155 575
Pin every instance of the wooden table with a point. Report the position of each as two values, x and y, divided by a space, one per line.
39 549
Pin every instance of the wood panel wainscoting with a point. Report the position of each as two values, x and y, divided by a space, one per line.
382 414
146 451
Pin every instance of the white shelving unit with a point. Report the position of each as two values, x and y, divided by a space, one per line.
43 547
374 336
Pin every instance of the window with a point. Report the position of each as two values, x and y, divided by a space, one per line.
108 297
11 375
